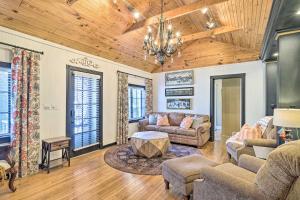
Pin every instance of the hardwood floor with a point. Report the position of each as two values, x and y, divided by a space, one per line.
89 177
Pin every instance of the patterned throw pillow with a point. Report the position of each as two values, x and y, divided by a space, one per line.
186 122
248 132
162 120
197 121
153 119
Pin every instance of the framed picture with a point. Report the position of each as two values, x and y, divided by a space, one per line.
179 78
179 104
185 91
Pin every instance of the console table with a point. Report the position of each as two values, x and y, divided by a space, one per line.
55 144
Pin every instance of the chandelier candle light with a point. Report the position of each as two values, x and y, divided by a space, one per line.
166 42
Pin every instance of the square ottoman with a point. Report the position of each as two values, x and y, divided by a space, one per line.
181 172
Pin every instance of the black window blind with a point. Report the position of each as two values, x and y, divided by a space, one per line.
136 102
5 102
86 108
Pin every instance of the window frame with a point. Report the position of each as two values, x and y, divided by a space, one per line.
137 86
7 138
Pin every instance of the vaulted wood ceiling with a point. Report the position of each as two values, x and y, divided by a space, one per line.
106 29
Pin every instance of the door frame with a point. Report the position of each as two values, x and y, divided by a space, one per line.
242 76
68 110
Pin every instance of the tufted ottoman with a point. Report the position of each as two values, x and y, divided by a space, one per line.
181 172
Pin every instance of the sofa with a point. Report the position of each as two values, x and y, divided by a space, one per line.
196 136
236 148
253 178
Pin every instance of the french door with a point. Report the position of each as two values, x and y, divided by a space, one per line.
84 109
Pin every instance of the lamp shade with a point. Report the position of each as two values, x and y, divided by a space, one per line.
289 118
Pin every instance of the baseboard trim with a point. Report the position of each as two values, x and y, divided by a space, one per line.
110 144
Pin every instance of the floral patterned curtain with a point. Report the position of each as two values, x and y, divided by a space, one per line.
149 96
26 104
122 121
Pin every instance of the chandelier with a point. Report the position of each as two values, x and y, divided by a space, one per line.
165 44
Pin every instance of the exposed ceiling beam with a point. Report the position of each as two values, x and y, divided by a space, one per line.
209 33
171 14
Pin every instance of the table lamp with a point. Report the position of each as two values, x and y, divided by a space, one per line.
287 118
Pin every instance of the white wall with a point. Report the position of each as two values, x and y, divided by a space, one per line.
53 83
255 88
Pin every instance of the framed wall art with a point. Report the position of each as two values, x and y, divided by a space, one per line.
179 104
184 91
179 78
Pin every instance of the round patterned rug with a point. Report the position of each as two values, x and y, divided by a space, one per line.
122 158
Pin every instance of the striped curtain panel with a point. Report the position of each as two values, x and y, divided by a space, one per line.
25 111
149 96
122 116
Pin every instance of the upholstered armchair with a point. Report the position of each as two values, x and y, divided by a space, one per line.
277 178
236 148
7 167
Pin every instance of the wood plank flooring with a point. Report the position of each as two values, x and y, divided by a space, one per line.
89 177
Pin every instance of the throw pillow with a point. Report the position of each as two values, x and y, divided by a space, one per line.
162 120
197 121
248 132
153 119
186 122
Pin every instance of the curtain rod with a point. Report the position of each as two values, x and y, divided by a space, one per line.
133 75
11 45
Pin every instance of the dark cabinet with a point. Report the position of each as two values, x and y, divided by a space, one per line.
271 87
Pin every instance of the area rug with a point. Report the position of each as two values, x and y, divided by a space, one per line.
122 158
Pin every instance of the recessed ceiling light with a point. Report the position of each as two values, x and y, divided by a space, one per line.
298 12
204 10
136 15
115 1
275 54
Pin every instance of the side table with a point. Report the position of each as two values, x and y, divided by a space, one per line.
55 144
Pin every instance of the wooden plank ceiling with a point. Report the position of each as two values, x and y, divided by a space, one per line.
107 29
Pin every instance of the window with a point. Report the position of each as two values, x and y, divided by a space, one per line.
84 110
136 102
5 102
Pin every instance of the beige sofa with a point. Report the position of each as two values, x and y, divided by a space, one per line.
197 136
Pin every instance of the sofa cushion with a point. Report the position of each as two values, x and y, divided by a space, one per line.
281 170
152 128
197 121
152 119
162 120
185 169
187 122
187 132
176 118
237 172
168 129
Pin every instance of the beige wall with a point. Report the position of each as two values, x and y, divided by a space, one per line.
255 88
53 83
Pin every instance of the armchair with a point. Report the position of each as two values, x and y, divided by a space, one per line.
253 178
236 148
8 166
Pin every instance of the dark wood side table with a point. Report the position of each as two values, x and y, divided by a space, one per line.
55 144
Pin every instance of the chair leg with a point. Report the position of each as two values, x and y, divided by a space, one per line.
13 175
167 184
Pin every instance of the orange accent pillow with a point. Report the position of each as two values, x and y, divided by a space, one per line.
248 132
186 122
162 120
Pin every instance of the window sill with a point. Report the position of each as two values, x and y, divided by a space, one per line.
135 120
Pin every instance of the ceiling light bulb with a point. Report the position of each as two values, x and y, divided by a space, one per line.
136 15
298 12
149 29
115 1
275 54
146 37
169 26
204 10
178 34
